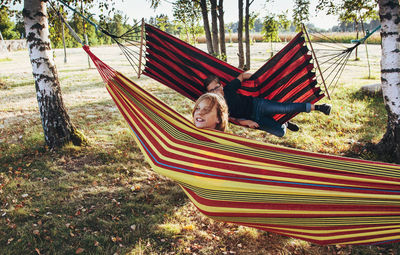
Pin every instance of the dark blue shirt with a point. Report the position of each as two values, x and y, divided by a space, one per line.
239 106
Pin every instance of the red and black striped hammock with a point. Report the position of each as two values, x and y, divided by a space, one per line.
287 77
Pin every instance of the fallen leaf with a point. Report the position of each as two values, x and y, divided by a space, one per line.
188 227
37 250
79 250
36 232
9 241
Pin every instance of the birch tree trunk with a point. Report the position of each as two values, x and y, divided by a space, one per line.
390 77
57 126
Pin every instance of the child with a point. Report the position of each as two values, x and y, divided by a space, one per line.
258 110
210 111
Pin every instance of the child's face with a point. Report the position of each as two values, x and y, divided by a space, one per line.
204 116
215 87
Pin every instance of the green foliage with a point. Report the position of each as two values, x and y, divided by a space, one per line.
270 28
6 25
358 11
55 28
271 25
162 22
301 13
116 25
19 25
187 16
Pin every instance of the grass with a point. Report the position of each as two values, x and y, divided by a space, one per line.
5 59
104 199
337 37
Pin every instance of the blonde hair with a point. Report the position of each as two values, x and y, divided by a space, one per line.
222 109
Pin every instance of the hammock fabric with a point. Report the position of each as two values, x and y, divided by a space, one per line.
319 198
287 77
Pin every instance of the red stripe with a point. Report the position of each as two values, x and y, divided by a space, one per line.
295 207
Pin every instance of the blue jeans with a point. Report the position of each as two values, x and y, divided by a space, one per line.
264 109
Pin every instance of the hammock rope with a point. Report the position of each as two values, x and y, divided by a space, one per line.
335 56
126 41
319 198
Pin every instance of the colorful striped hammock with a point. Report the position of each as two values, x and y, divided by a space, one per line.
287 77
319 198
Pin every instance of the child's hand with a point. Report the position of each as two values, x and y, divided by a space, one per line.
249 123
244 76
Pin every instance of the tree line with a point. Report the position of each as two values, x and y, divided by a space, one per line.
185 23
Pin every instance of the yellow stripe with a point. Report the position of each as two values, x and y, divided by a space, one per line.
290 212
270 166
330 231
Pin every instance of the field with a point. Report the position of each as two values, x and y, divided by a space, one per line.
104 199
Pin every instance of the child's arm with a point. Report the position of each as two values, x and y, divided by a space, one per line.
247 123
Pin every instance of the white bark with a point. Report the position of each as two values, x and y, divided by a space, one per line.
39 46
390 62
57 126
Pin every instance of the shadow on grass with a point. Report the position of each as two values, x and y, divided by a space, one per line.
101 201
375 124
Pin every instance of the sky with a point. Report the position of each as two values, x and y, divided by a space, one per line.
137 9
141 9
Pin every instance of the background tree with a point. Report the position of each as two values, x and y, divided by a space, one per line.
271 26
214 27
222 29
188 14
162 22
240 35
247 33
77 23
19 24
7 27
270 30
301 13
355 12
206 24
55 29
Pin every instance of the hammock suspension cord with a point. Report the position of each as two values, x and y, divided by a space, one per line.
335 56
131 38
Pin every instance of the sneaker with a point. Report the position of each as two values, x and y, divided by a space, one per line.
325 108
292 127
